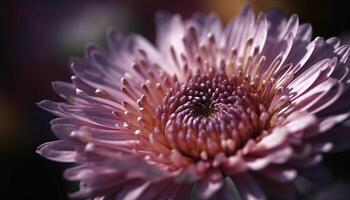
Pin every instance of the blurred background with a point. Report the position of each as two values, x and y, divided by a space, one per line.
37 39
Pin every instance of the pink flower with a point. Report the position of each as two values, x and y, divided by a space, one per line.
257 101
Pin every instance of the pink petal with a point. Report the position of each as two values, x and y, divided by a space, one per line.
59 150
210 184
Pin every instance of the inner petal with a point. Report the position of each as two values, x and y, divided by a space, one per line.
213 113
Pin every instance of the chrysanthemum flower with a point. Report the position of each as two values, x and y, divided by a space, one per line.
256 101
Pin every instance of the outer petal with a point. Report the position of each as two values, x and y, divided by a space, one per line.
170 31
248 187
244 27
210 184
59 150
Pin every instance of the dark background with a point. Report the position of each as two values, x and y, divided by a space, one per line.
37 39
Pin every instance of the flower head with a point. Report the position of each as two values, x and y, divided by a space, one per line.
256 101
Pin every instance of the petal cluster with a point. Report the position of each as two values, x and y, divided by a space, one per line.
256 100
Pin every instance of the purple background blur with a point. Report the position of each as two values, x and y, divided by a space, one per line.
37 39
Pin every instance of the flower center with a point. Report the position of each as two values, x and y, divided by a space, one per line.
212 113
204 109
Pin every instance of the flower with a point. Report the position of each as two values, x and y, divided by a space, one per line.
256 101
